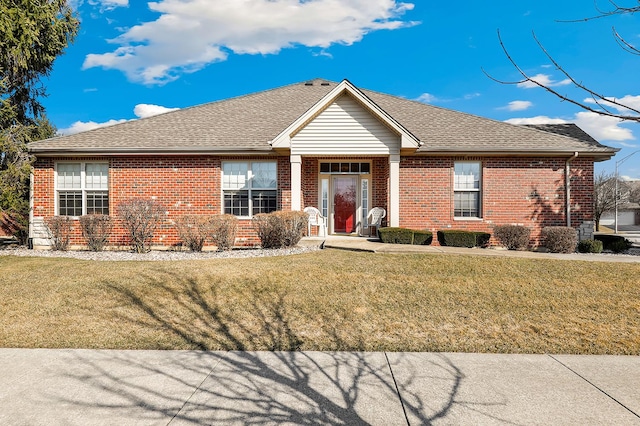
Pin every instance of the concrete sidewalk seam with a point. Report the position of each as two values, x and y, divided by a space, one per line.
186 401
395 383
594 385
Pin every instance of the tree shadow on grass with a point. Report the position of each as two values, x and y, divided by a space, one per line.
259 377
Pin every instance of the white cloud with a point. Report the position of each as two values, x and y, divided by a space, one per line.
83 126
628 100
149 110
540 119
602 127
108 4
189 34
598 126
427 98
518 105
545 80
140 111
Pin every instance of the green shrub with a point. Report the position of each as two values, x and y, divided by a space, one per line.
393 235
223 231
460 238
560 239
590 246
620 246
59 231
95 230
513 237
280 229
422 238
615 243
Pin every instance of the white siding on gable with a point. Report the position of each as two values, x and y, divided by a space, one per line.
345 128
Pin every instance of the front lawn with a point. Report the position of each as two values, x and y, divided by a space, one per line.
326 300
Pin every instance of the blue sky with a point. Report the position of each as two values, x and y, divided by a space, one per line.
132 59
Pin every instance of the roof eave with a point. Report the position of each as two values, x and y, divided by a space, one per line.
601 155
77 152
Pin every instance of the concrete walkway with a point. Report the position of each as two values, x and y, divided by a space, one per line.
102 387
375 246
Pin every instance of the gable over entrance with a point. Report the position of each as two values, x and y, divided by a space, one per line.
345 128
346 109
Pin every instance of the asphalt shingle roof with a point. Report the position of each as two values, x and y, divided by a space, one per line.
250 122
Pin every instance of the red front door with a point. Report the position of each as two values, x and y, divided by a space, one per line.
344 204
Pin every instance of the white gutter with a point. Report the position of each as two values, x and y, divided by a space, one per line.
567 186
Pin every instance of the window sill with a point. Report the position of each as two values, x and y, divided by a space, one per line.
468 219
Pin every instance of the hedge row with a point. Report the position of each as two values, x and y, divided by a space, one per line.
459 238
394 235
450 237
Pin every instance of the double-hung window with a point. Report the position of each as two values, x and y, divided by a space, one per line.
82 188
466 196
250 187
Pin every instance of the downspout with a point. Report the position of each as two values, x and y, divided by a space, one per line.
31 206
567 186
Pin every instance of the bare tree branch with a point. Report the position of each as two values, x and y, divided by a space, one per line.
602 102
626 46
614 9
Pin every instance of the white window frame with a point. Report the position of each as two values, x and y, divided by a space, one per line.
249 188
83 189
466 190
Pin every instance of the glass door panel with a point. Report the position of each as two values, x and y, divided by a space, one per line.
344 204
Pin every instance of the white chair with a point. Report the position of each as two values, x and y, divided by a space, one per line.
374 218
316 219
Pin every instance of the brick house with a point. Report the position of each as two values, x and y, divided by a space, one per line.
329 145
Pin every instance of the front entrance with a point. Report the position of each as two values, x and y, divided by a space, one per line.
344 204
344 195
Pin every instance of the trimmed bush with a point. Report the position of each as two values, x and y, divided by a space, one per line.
590 246
223 231
560 239
460 238
95 230
140 218
513 237
422 238
280 229
193 230
620 246
615 243
59 231
393 235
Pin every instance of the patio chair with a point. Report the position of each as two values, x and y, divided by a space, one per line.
374 218
316 219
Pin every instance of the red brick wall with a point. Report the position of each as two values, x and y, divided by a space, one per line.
182 184
528 191
523 191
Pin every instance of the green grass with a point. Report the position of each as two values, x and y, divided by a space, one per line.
327 300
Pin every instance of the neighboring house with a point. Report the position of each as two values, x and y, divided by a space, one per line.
628 209
628 214
330 145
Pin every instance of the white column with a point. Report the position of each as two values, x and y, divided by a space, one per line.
394 190
296 182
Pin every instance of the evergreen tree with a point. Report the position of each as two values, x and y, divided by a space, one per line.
33 33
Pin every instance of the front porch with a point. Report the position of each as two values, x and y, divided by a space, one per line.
345 190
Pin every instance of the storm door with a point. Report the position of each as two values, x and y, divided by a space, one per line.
344 204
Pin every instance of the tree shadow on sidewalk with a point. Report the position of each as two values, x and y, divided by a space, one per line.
261 377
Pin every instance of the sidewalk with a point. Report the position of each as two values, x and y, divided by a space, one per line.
102 387
375 246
